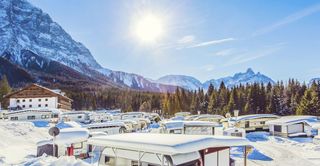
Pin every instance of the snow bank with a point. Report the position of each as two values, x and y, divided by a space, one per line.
53 161
18 141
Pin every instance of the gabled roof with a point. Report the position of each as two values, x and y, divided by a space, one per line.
169 144
39 86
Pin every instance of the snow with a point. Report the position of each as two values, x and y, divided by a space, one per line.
311 120
254 116
19 141
53 161
181 124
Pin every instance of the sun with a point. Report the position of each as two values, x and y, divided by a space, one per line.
148 28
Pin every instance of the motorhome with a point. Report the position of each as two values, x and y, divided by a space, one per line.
34 114
190 128
107 127
292 126
70 142
77 116
254 122
145 149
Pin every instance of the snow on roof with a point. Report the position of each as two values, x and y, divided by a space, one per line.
52 110
68 136
294 119
253 116
110 123
316 125
169 144
209 116
181 124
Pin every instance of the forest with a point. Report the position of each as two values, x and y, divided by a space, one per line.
290 98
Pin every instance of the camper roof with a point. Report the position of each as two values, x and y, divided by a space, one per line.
68 136
294 119
253 116
51 110
169 144
181 124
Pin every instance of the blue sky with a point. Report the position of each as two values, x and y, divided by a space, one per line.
204 39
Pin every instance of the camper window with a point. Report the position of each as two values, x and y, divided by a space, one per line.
44 116
31 117
262 122
79 117
177 131
14 118
277 128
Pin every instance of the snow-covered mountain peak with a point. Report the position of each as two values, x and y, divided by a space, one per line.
183 81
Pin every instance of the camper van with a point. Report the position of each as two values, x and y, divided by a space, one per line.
70 142
189 127
145 149
77 116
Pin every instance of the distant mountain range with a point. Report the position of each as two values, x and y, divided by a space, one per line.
34 48
191 83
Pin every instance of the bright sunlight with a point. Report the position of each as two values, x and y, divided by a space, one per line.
149 28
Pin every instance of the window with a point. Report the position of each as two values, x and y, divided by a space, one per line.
79 117
277 128
14 118
44 116
30 106
39 99
31 117
23 100
18 101
46 105
30 100
39 105
46 99
262 122
23 106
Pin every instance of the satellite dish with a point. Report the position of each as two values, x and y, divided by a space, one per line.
54 131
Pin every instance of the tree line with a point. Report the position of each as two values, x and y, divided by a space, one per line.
290 98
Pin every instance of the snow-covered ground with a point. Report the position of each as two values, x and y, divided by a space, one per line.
18 147
276 151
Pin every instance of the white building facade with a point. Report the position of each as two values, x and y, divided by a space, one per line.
41 102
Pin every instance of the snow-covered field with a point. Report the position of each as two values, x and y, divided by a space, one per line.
18 147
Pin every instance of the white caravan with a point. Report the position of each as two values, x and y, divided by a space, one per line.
190 128
292 126
145 149
107 127
70 142
140 117
77 116
34 114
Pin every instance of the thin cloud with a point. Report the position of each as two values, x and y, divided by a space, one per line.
224 52
250 56
289 19
186 39
212 42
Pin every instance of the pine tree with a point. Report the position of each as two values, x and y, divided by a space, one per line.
4 87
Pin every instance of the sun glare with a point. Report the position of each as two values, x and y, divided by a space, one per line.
148 28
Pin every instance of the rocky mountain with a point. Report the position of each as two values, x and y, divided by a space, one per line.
247 77
186 82
32 41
